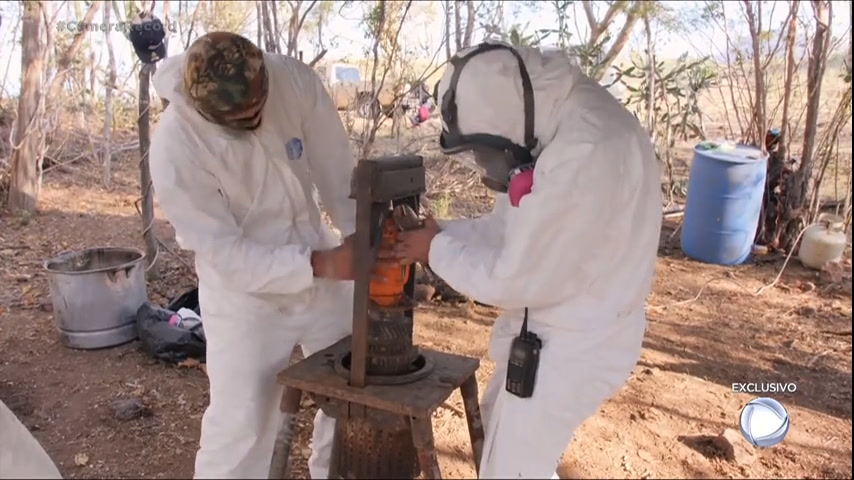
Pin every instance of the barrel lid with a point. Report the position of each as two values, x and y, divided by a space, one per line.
729 152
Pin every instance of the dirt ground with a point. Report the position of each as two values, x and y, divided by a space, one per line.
661 425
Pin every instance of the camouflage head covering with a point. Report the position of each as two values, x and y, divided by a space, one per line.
225 77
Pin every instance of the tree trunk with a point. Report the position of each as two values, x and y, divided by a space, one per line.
27 141
798 191
754 26
259 18
195 18
64 62
447 5
317 58
49 38
815 75
119 12
846 206
650 60
292 30
791 37
779 169
632 16
49 119
182 12
269 41
499 16
562 33
458 26
49 47
274 19
598 28
108 100
369 135
167 19
164 102
147 210
295 24
86 74
91 75
470 13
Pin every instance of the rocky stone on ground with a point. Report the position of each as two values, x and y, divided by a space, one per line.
734 447
129 408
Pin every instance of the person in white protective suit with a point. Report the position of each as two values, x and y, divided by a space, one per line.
234 161
21 455
569 249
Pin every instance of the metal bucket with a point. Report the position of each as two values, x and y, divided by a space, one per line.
95 295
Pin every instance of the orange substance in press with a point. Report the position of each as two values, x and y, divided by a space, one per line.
389 276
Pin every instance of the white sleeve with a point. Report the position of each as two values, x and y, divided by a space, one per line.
191 200
489 225
552 240
330 157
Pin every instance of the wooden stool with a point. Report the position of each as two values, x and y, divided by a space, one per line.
416 401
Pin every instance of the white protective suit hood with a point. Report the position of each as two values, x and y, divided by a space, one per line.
167 79
576 254
244 202
490 94
488 105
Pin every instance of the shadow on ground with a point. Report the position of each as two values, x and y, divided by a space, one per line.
820 387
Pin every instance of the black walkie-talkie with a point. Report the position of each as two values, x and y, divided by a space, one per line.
523 362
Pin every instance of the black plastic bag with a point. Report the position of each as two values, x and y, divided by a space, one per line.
164 341
188 299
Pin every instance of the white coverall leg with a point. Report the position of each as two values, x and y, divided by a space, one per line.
244 203
244 356
579 251
563 399
318 336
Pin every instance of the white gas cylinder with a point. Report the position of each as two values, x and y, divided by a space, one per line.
823 242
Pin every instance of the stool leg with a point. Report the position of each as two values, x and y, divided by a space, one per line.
422 437
469 392
284 438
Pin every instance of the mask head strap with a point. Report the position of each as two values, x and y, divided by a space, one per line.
452 140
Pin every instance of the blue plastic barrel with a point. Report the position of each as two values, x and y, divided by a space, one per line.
725 189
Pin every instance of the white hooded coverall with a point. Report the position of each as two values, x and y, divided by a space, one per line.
579 251
244 203
21 455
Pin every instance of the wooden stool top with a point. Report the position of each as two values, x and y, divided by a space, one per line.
316 375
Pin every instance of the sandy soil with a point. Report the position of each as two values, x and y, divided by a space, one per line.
661 425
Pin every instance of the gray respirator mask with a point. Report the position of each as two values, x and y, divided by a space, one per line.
496 157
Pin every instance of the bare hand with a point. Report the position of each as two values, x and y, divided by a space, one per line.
335 263
414 245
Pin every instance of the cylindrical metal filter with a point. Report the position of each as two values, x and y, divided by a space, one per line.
362 450
390 348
